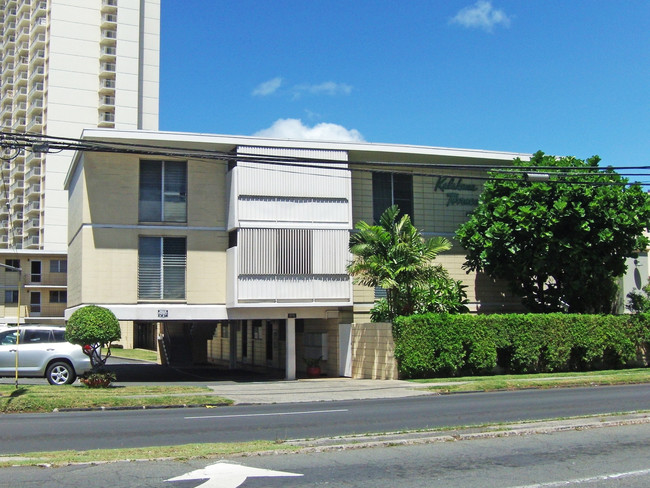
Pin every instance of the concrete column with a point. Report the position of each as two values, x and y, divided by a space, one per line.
291 349
233 343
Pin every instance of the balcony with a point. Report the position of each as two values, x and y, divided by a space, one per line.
109 68
17 170
33 175
108 53
32 225
37 90
20 93
107 86
109 21
109 5
24 7
16 231
33 160
38 41
21 108
31 242
39 25
33 208
40 7
33 191
106 102
19 124
4 210
17 201
10 13
35 124
23 49
35 108
17 187
23 35
21 79
23 21
106 119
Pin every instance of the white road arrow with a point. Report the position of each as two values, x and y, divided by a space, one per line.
227 475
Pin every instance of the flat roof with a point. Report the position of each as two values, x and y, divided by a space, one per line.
227 143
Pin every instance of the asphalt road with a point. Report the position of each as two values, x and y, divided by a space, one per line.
141 428
599 458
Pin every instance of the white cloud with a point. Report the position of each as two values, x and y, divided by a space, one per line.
327 88
295 129
481 15
268 87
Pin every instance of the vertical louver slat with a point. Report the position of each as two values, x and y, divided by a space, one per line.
162 263
149 276
174 261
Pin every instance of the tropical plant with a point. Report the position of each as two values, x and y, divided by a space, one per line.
639 300
393 255
93 328
560 242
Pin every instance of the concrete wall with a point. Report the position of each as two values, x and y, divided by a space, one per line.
373 351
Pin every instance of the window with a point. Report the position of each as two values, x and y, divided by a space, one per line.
35 302
161 268
392 189
34 336
11 296
163 191
58 266
14 263
36 272
58 296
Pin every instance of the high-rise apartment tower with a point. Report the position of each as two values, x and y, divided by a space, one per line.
68 65
65 65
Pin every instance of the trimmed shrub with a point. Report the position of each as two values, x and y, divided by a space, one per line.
433 345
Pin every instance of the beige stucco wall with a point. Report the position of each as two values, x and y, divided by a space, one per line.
373 351
105 230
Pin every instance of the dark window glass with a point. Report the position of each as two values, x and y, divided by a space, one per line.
392 189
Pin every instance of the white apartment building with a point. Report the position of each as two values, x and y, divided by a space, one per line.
66 65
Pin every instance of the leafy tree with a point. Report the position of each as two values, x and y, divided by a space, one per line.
93 328
560 243
395 256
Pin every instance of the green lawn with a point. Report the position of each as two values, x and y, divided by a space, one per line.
143 354
46 398
542 380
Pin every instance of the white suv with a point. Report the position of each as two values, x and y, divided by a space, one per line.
42 352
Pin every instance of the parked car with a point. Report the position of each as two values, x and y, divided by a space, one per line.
42 352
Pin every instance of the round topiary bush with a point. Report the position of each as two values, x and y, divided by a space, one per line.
95 327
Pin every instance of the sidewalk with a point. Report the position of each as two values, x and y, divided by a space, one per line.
249 388
315 390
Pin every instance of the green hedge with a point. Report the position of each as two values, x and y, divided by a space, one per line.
448 345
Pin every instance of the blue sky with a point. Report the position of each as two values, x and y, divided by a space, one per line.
569 77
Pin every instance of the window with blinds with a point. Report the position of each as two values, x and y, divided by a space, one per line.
163 191
162 263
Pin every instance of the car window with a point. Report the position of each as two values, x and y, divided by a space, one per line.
34 336
8 338
59 336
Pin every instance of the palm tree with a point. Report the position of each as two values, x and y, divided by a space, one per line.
394 256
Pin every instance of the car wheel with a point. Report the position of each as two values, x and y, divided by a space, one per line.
60 373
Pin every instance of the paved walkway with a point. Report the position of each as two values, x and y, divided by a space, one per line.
315 390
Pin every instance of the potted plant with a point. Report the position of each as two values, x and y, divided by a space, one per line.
313 366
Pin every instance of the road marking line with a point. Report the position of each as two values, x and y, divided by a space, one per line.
578 481
306 412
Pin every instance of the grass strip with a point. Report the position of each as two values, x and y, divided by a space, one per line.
180 452
140 354
540 380
45 398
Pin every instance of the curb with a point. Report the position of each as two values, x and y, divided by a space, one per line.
470 433
141 407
